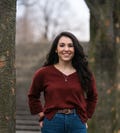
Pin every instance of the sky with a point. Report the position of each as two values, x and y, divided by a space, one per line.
80 17
82 14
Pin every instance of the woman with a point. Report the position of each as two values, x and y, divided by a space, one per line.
68 85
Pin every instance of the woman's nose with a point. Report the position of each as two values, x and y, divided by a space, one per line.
66 48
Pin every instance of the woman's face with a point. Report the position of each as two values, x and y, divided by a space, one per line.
65 49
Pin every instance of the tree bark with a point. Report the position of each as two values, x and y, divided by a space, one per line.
104 62
116 17
7 66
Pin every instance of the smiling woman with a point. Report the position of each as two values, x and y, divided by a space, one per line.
64 79
65 49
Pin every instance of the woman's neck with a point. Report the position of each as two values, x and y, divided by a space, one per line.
65 67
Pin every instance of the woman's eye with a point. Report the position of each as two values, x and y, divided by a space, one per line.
62 45
70 45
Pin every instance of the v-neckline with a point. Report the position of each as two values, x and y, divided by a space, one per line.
62 72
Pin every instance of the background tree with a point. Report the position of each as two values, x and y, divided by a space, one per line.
117 41
46 15
105 22
7 66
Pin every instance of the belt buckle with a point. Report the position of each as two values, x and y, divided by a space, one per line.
68 111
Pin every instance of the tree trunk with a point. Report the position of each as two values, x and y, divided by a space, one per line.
117 40
7 66
104 62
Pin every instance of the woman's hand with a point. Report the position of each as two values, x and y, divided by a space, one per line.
41 115
41 124
86 125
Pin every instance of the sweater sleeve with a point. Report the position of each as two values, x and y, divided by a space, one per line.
34 94
92 97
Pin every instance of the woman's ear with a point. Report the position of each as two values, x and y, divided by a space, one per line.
56 51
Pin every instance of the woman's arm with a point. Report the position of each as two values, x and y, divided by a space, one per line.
34 94
92 97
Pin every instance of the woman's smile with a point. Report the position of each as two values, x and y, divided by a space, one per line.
65 49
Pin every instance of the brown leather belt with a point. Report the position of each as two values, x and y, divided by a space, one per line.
66 111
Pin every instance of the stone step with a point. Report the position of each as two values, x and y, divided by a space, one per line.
24 117
25 121
27 128
28 131
27 125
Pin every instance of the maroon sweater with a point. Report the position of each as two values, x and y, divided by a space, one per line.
59 94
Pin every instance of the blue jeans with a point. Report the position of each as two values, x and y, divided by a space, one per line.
64 123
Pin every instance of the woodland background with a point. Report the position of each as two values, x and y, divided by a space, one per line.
19 59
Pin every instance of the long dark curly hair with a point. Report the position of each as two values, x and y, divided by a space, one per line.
79 60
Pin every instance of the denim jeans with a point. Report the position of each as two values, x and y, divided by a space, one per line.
64 123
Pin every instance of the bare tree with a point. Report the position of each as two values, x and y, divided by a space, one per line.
48 16
53 13
24 29
7 66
